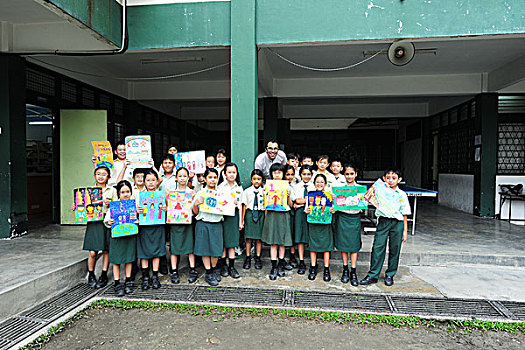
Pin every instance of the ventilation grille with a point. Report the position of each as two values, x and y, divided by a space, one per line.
511 148
40 82
511 104
69 91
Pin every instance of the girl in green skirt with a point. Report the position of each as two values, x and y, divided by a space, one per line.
299 197
230 183
320 237
289 175
252 218
348 233
276 230
122 250
181 235
151 243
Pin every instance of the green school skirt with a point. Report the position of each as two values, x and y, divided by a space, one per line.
301 226
321 238
231 233
151 242
97 236
276 229
253 230
208 239
348 232
181 239
123 250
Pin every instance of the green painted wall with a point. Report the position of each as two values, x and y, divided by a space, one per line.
102 16
243 88
179 25
77 129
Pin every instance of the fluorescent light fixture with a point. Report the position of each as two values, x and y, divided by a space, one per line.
41 123
171 60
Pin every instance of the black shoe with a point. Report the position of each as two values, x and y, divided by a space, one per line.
232 271
247 263
273 274
155 283
175 279
216 275
224 271
145 282
312 273
326 275
345 278
293 261
193 275
353 279
368 280
211 280
119 290
280 270
92 282
389 280
301 268
102 282
258 263
287 266
129 287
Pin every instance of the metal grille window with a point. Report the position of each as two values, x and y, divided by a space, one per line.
456 147
88 97
119 132
511 148
69 91
40 82
104 102
119 107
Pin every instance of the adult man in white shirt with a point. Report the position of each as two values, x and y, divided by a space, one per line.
272 155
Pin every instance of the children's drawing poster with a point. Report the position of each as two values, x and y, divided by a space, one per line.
124 214
103 154
384 198
180 206
349 198
276 196
217 203
138 151
88 204
151 201
194 161
320 203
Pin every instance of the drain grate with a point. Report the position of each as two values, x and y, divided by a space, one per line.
165 292
445 307
17 328
347 301
517 309
254 296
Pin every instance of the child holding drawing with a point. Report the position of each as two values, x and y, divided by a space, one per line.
122 250
97 236
289 174
320 236
276 230
208 231
230 183
181 236
252 218
151 243
299 197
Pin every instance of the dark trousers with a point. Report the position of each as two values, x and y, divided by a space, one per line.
391 230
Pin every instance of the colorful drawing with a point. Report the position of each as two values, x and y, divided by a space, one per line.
194 161
320 203
138 151
276 195
88 204
150 201
349 198
384 198
103 154
180 206
217 203
124 214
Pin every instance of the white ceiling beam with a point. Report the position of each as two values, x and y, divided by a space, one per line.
6 36
180 90
406 85
507 75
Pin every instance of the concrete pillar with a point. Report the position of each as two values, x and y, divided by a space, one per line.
243 87
13 171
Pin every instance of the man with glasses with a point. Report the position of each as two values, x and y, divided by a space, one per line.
272 155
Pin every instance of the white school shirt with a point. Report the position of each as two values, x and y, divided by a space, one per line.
404 205
298 190
340 181
207 217
168 182
118 165
235 190
248 197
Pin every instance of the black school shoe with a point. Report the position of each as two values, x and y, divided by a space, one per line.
293 261
155 282
128 287
312 273
301 269
102 282
224 271
353 279
193 275
280 269
211 280
145 282
273 274
345 278
368 280
258 263
216 275
287 266
232 271
92 282
326 275
174 277
389 281
119 290
247 263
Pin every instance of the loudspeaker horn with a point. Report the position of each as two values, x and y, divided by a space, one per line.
401 53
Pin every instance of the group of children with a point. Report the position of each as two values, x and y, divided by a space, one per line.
214 237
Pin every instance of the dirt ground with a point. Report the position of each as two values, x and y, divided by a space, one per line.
167 329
